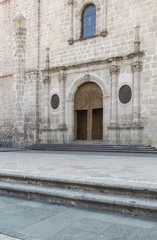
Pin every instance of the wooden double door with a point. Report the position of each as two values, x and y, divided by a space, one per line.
89 112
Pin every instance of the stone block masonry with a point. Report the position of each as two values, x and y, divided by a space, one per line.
126 38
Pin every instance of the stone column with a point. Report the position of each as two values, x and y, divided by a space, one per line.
31 108
136 132
46 81
114 72
71 39
19 77
62 126
46 108
104 31
136 68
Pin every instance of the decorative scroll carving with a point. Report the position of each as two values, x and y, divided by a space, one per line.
137 66
46 80
89 96
114 69
87 77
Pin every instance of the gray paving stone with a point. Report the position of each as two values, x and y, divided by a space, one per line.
11 200
54 207
12 211
4 205
38 214
145 234
4 237
122 231
92 225
138 222
14 224
78 234
123 168
97 215
40 222
32 238
48 227
30 220
33 204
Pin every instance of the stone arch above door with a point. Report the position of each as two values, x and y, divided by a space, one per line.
89 95
88 78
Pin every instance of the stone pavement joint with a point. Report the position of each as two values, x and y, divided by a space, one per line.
5 237
36 220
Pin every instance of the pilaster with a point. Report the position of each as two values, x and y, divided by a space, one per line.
71 39
46 81
19 77
62 80
114 72
136 132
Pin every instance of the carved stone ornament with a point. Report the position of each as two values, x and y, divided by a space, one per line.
137 66
62 77
104 33
46 80
87 77
70 41
114 69
70 2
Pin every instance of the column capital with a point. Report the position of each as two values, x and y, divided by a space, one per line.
114 69
46 80
62 76
136 66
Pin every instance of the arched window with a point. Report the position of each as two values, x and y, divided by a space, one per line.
89 21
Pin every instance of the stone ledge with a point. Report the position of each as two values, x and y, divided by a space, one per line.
103 61
124 127
54 130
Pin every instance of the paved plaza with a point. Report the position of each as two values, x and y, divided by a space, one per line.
140 169
33 220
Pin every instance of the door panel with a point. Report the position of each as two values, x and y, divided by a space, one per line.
97 124
81 125
88 108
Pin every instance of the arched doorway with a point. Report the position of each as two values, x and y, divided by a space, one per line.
89 112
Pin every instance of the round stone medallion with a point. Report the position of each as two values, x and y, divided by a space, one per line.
55 101
125 94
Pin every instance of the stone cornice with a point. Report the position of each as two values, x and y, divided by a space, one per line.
125 126
5 76
86 64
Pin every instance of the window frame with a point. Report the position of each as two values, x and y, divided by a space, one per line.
83 19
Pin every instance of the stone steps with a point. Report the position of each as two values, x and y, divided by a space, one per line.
95 148
128 199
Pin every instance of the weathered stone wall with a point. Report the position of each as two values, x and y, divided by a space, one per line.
6 110
57 25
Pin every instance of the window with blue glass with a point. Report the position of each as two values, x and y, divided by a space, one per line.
89 21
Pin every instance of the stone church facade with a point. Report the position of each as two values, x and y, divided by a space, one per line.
78 70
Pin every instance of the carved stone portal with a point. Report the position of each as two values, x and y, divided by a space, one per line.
89 112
